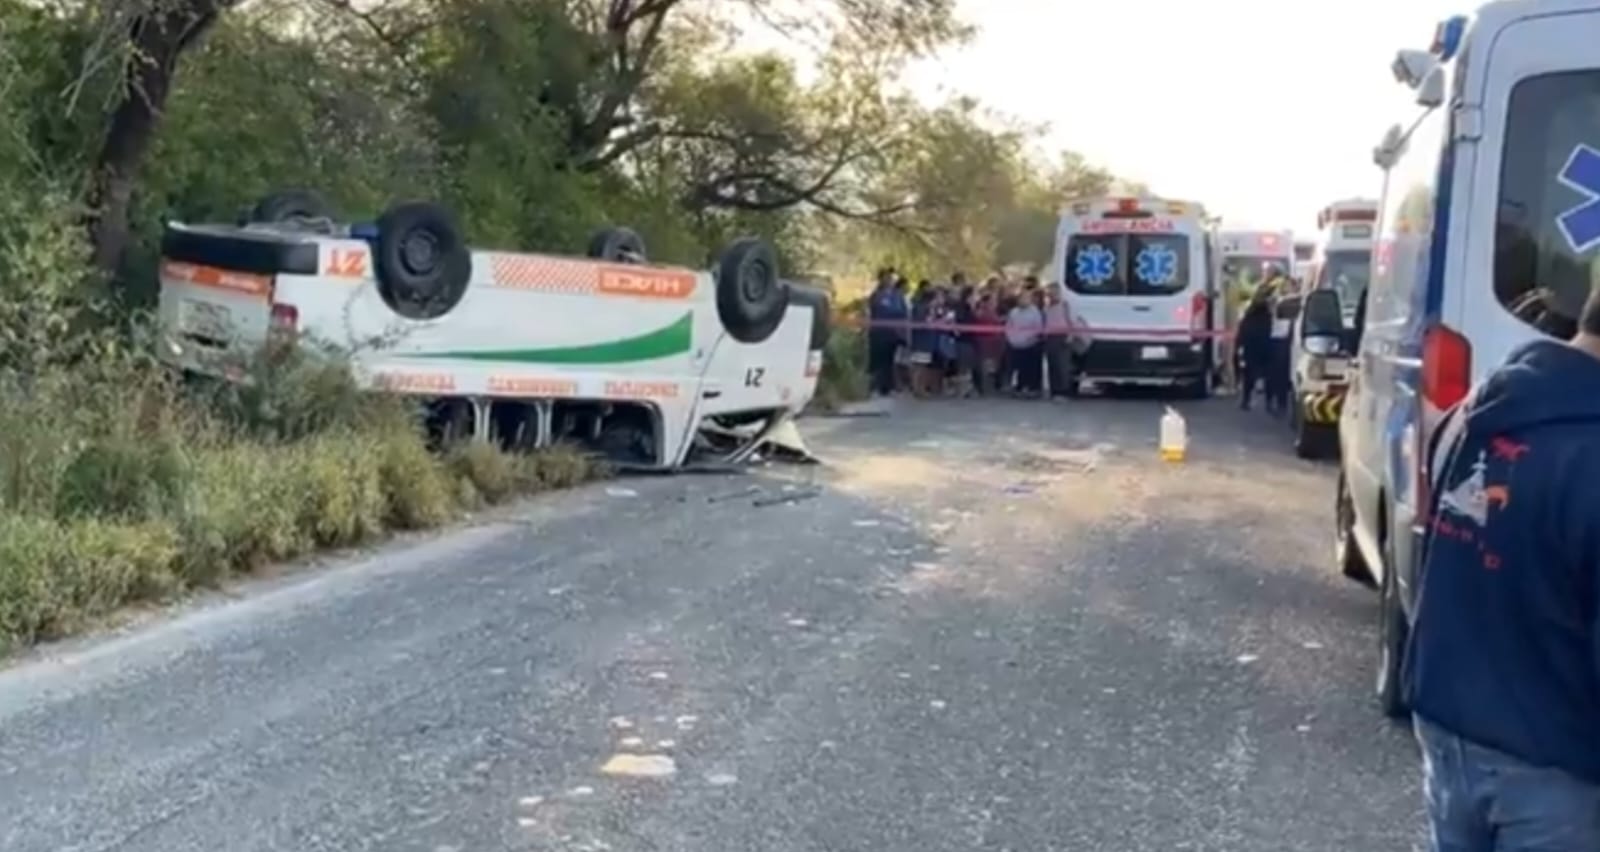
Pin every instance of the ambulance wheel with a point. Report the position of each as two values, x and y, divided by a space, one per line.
618 245
288 205
1392 630
1346 553
751 300
421 261
1202 387
1305 440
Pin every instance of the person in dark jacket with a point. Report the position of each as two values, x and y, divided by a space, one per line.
886 307
1501 668
1254 345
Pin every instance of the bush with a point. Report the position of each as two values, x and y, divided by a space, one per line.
114 488
844 370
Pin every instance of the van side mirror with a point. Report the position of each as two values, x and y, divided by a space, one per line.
1390 148
1410 67
1323 317
1430 92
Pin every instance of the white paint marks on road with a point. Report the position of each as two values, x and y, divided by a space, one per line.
903 675
581 792
631 742
1302 728
685 723
798 622
722 779
937 704
1311 646
557 591
866 523
639 766
616 491
527 822
940 527
658 675
530 801
621 723
666 745
925 566
1246 659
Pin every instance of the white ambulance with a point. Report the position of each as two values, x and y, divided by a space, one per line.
1322 339
1140 287
1489 238
1346 233
1252 257
642 362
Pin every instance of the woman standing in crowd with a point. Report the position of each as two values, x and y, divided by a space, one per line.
1057 368
964 313
992 343
1024 329
925 367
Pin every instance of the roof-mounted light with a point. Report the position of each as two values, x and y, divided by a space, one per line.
1447 37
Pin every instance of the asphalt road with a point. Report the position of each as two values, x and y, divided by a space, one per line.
1000 625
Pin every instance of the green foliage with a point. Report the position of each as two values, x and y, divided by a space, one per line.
538 121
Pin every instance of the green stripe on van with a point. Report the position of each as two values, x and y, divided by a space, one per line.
664 342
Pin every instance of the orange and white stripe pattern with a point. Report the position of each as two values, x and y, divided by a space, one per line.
221 279
570 276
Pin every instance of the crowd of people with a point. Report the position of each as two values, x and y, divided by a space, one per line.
1017 338
960 339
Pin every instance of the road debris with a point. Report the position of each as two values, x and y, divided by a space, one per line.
618 491
790 497
722 779
1246 659
639 766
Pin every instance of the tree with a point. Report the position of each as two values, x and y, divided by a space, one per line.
150 36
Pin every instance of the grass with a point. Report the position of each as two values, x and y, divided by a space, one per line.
844 361
117 486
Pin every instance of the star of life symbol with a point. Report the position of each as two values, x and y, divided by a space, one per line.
1470 498
1094 265
1156 265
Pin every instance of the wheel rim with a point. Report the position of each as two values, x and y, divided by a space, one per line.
419 252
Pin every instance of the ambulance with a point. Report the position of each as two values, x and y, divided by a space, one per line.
1320 327
1342 258
645 363
1304 250
1251 257
1141 291
1488 238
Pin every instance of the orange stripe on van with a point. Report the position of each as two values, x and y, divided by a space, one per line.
221 279
580 277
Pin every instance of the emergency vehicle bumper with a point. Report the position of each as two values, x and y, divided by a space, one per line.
1172 360
1322 407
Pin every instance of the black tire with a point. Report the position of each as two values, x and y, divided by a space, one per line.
1305 443
617 245
1202 388
1392 630
821 312
422 262
1346 552
751 299
288 205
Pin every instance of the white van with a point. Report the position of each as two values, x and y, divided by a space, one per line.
1487 240
1139 277
643 362
1255 256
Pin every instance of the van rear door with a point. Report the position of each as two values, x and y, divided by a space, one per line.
217 286
1134 286
1532 250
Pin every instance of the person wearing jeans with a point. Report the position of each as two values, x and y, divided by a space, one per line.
1501 667
885 308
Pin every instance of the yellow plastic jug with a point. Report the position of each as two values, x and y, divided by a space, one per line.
1174 436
